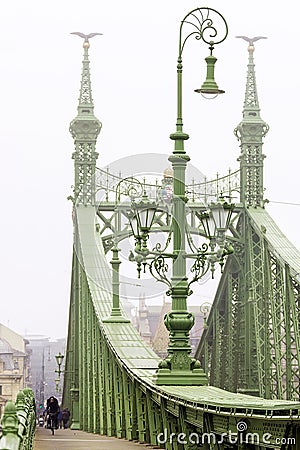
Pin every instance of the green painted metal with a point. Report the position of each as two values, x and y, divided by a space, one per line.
210 86
250 132
116 313
18 422
123 352
84 130
179 368
110 373
263 313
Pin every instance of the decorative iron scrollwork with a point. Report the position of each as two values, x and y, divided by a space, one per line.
158 269
208 25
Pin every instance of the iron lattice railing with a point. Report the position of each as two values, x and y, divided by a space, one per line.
197 192
18 422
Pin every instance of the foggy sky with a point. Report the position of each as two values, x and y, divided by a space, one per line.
133 70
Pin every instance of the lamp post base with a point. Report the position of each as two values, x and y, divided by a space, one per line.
75 421
75 426
116 317
179 367
177 377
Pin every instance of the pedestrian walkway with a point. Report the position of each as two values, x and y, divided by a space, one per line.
78 440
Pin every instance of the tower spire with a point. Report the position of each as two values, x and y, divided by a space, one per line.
250 132
84 130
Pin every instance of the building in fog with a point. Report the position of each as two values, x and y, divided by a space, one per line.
43 366
14 365
149 321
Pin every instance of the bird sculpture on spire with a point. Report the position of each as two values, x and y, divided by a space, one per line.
251 40
86 37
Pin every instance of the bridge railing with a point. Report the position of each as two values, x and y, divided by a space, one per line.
203 191
18 422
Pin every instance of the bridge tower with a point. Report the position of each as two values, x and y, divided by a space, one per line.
251 343
84 130
250 132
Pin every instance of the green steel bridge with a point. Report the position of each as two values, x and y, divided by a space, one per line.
242 390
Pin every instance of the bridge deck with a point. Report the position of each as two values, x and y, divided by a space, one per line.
78 440
139 360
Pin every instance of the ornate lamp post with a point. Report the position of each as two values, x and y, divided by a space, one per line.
179 368
132 188
59 359
57 381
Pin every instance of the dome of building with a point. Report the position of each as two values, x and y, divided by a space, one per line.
5 347
168 172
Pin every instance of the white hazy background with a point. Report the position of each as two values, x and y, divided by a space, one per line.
133 70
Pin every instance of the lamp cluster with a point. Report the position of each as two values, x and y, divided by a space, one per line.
215 222
141 220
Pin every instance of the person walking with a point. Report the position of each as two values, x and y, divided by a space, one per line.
59 419
52 411
65 417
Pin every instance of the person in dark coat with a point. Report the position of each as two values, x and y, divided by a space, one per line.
65 417
52 410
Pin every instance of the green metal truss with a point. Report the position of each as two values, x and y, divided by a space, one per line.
109 375
251 343
255 317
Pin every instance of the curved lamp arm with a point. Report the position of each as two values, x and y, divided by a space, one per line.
207 25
